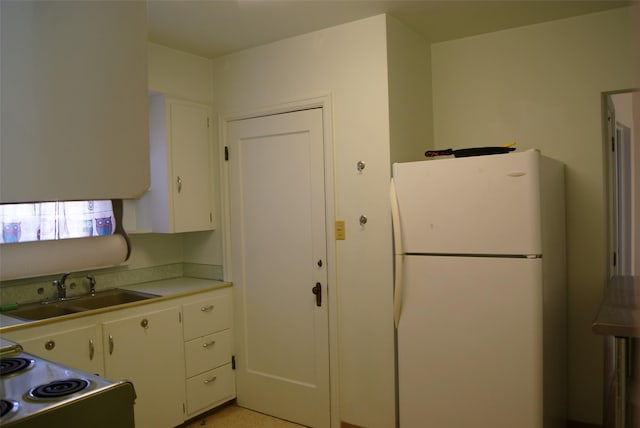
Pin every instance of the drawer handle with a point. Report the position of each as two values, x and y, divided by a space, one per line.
111 345
92 349
207 308
49 345
208 381
206 345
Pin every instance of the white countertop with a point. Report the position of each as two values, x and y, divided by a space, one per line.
176 286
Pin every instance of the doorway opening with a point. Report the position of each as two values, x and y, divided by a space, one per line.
622 163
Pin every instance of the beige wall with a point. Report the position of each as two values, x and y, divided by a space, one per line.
541 86
410 108
188 77
349 64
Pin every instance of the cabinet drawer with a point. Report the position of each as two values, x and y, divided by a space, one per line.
207 316
207 352
210 389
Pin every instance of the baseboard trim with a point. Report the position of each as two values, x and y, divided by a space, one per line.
570 424
576 424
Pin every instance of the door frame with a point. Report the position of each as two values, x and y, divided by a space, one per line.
325 102
618 194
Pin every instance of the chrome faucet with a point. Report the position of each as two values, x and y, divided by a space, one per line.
92 284
61 286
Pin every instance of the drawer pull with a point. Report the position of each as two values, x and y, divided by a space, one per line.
210 380
92 350
206 345
49 345
207 308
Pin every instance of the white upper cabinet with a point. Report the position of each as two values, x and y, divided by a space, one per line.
73 101
180 198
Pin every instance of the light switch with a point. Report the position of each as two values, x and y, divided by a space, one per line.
340 230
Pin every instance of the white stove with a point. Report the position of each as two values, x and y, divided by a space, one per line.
35 392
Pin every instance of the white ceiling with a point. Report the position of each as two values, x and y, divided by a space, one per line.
212 28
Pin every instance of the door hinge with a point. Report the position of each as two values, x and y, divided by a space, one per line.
226 153
233 362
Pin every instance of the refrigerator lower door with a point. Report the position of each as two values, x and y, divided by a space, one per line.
470 343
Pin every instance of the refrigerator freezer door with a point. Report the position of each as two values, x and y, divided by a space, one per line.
470 343
475 205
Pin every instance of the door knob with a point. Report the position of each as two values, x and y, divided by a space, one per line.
317 290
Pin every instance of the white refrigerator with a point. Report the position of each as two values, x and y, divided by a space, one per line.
480 293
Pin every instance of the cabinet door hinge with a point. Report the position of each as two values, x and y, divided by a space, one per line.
226 153
233 362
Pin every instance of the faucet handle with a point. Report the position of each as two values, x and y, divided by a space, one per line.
61 287
92 284
64 277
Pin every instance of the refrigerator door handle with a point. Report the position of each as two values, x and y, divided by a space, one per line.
399 258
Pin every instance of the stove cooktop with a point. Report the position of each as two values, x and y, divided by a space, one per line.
31 387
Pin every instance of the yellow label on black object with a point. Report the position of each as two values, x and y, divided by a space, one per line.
340 231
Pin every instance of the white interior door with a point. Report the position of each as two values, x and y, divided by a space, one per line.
278 246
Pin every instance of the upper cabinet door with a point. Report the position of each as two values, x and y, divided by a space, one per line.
180 198
191 161
73 101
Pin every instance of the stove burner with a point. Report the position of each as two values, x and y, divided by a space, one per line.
58 388
7 406
11 365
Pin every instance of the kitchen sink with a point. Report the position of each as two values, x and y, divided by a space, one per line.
103 299
110 298
39 311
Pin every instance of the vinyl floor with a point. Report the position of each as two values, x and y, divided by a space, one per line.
232 416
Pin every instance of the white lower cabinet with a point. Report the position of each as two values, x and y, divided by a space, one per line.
208 347
177 352
74 344
209 389
146 349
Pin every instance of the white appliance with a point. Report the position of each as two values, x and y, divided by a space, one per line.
480 294
37 393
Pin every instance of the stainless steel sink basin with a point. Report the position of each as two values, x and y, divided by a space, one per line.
110 298
103 299
39 311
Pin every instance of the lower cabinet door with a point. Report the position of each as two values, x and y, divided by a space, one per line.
210 389
79 348
147 349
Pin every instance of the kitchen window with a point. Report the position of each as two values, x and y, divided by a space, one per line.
48 238
47 221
